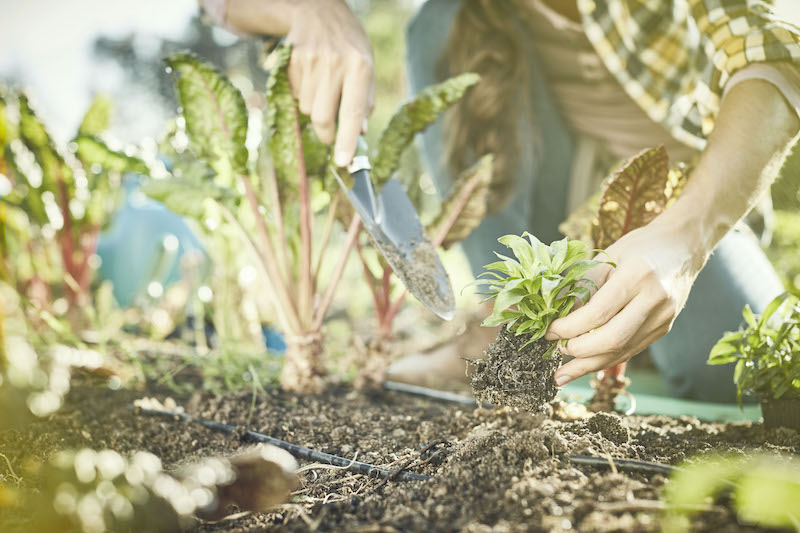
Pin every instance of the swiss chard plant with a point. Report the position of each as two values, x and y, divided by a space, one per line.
540 284
766 350
56 201
281 195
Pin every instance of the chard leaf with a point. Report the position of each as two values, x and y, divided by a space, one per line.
215 114
413 118
35 137
187 197
98 117
464 210
93 151
632 197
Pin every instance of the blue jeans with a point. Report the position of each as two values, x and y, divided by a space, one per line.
738 272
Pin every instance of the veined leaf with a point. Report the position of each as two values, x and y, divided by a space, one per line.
215 114
413 118
98 117
187 197
522 250
464 210
38 141
93 151
632 196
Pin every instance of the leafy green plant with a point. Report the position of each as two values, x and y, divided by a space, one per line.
282 198
763 489
58 201
543 283
766 350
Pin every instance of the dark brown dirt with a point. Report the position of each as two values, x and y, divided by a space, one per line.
503 471
516 375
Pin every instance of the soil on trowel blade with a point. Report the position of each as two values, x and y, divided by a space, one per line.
515 375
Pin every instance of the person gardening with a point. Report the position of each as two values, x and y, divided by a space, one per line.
568 88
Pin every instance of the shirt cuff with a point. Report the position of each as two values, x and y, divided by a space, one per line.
784 76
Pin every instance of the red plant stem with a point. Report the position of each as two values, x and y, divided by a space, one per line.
284 299
386 286
615 372
380 310
352 237
283 256
326 234
305 280
66 238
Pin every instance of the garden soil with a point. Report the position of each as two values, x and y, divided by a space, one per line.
500 471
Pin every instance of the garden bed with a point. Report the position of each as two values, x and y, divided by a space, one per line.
503 470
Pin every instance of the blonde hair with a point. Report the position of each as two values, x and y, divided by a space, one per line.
486 39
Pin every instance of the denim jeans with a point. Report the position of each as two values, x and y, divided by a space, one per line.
737 273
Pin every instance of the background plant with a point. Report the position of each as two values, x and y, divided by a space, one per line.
763 489
543 283
766 350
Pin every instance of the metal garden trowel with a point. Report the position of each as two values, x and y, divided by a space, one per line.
394 226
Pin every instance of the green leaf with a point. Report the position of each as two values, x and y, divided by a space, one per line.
495 319
749 317
466 206
215 114
723 353
187 197
98 117
773 306
413 118
36 138
93 151
521 249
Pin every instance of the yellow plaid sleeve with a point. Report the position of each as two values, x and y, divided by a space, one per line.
674 57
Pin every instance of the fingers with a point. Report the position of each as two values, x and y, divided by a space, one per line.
326 101
612 296
353 111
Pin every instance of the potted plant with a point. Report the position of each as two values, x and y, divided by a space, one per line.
767 355
542 284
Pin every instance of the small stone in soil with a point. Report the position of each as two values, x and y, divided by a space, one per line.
514 376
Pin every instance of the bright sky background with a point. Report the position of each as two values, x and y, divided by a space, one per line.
46 44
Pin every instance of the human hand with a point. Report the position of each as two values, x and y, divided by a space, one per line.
330 71
636 303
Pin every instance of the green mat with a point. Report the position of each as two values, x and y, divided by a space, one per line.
652 398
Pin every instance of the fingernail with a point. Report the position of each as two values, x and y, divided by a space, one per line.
550 336
563 380
364 126
341 158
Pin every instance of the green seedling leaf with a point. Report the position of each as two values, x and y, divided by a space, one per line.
215 114
413 118
632 196
465 208
92 151
98 117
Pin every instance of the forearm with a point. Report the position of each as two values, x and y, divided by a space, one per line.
270 17
754 128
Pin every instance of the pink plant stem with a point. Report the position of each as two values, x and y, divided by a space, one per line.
352 237
283 256
305 281
284 298
326 234
66 238
380 310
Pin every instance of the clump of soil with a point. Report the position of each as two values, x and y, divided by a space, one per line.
516 375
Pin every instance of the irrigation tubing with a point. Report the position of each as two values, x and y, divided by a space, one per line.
429 393
298 451
630 465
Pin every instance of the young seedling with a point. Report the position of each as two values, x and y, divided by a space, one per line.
766 351
541 284
631 198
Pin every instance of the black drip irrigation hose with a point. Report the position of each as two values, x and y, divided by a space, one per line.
429 393
630 465
298 451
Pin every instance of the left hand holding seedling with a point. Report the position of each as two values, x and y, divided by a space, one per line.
636 303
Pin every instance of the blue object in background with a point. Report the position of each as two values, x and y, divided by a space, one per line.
142 234
274 340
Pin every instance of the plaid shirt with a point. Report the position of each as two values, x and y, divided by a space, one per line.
674 57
